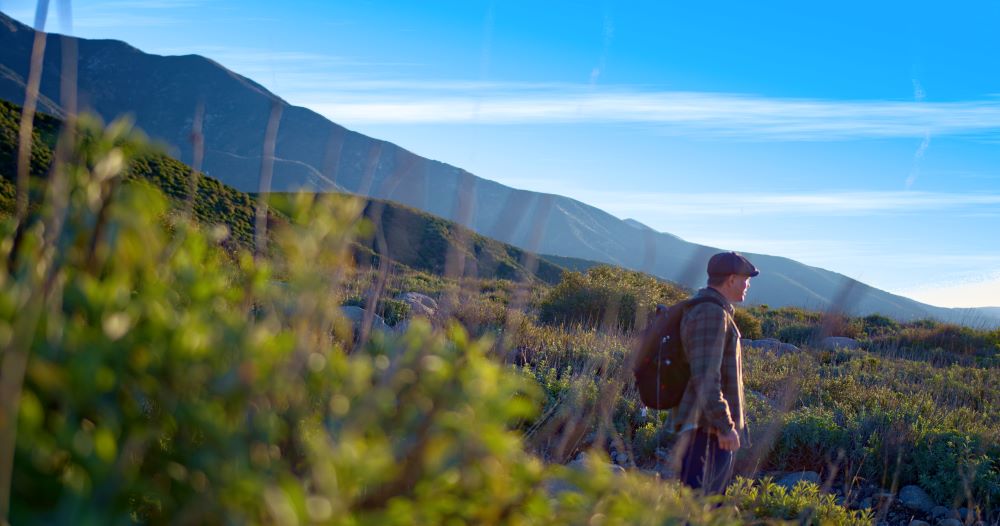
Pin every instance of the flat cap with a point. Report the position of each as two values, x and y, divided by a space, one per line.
726 263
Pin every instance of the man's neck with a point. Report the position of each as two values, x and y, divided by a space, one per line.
721 293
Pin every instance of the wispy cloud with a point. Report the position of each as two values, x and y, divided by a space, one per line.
349 90
796 204
133 13
715 114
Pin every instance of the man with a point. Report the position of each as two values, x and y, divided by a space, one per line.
710 415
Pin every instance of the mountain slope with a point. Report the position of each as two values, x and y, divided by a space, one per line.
415 239
312 152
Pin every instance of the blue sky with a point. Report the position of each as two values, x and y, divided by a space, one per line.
860 137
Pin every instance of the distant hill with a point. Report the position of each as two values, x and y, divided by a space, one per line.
415 239
315 153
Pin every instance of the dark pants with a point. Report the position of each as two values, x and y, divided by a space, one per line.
705 465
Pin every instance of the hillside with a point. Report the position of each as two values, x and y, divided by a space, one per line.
315 153
415 239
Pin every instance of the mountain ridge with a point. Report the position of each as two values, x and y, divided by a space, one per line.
315 153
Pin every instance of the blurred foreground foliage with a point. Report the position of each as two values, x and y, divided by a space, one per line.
151 376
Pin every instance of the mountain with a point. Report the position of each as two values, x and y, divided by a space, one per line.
414 239
315 153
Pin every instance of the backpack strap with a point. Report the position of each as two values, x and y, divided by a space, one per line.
694 302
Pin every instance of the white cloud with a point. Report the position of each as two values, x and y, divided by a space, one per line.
681 112
797 204
113 13
714 114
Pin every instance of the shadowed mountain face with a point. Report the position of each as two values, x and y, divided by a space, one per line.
162 93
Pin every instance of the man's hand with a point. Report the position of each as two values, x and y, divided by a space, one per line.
729 440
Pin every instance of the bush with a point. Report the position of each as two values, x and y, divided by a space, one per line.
798 334
811 440
950 465
803 503
749 325
606 297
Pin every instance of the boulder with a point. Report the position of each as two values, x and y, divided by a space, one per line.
770 344
949 522
420 304
915 498
916 522
939 512
356 315
790 480
767 344
839 342
786 348
581 462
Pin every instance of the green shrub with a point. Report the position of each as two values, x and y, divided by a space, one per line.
798 334
879 326
749 325
803 503
951 464
811 440
393 311
606 297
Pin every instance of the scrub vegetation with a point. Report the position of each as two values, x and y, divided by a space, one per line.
160 372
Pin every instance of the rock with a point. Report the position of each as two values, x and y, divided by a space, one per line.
580 465
963 513
581 460
357 315
770 344
557 486
939 512
949 522
420 304
767 344
883 496
915 498
916 522
787 348
839 342
790 480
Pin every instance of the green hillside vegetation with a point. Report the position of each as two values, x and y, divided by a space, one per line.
215 204
423 242
172 378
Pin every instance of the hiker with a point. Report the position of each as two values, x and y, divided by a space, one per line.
710 416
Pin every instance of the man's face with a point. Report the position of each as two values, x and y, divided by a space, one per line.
736 288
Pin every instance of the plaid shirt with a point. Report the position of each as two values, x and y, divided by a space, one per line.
714 395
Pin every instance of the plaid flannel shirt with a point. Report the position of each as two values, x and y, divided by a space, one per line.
713 399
